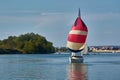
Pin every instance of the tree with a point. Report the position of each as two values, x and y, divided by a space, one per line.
28 43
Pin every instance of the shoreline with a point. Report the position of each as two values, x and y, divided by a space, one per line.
106 51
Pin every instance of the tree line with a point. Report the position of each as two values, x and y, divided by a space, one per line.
26 43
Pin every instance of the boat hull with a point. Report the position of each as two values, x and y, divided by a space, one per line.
76 59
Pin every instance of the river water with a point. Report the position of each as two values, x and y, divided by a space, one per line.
57 67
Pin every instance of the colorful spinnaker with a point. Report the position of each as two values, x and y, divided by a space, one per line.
77 35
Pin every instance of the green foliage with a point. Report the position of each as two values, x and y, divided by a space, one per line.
28 43
61 49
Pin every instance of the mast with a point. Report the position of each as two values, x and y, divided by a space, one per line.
79 15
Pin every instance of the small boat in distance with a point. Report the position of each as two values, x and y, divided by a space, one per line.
76 40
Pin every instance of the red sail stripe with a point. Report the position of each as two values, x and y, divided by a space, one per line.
77 38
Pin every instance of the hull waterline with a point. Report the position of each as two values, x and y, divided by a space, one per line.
76 59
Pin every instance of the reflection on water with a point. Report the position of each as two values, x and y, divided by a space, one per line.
77 71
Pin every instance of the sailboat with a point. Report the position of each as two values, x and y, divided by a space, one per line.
76 40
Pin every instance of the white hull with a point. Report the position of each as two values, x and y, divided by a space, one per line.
76 59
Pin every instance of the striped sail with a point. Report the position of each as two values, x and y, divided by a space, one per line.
77 36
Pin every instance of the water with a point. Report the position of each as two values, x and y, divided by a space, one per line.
57 67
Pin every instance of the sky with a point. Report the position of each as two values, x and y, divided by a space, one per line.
53 19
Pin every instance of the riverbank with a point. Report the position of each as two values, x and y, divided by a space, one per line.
106 51
12 51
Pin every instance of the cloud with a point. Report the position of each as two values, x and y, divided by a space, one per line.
102 16
40 19
52 13
20 12
17 19
52 19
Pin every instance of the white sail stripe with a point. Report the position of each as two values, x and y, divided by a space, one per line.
75 46
78 32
